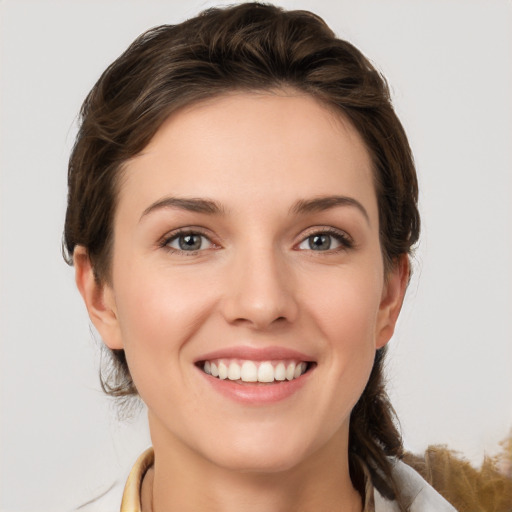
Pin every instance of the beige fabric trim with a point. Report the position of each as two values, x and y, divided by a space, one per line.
131 494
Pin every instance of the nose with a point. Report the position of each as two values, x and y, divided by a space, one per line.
259 290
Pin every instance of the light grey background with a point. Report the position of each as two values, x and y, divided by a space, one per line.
450 67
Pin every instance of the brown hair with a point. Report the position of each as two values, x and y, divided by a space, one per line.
246 47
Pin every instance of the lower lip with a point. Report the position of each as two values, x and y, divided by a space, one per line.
257 393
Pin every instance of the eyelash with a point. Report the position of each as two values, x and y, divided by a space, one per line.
346 242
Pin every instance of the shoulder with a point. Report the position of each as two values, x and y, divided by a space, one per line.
418 495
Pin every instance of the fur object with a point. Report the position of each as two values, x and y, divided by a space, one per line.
487 489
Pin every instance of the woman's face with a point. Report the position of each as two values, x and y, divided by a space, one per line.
247 246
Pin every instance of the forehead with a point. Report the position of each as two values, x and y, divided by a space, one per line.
280 144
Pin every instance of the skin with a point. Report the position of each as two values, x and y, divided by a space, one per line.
257 282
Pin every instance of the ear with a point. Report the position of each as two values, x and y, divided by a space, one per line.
99 299
393 295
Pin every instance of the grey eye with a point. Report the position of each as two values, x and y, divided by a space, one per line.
319 242
323 242
189 242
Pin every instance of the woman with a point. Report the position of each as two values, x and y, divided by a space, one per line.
241 210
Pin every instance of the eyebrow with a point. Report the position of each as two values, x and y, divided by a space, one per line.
210 207
319 204
192 204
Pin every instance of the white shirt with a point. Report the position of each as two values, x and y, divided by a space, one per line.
418 494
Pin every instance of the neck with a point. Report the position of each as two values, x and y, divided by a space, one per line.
184 480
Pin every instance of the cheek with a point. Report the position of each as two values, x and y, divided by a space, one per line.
151 298
345 306
346 313
342 315
157 315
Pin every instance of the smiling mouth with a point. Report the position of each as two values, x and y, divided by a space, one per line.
267 372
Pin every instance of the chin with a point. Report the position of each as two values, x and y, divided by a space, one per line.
264 453
260 461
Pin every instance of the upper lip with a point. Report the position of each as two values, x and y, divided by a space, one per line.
255 354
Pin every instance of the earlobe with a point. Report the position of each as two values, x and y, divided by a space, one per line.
98 298
392 299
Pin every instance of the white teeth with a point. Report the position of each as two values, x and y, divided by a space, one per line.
223 371
290 371
233 371
280 372
266 372
251 371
